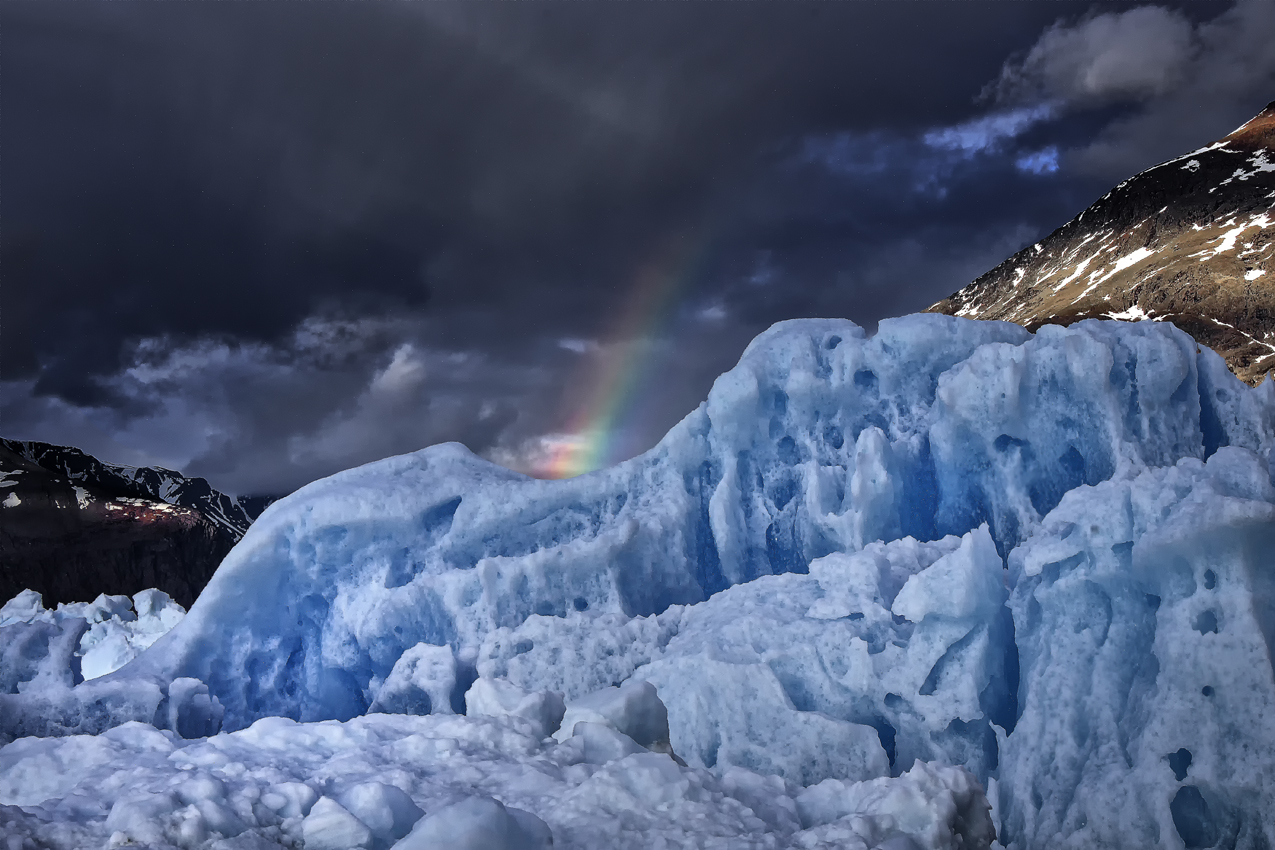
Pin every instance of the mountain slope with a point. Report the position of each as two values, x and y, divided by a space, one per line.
72 527
138 482
1188 241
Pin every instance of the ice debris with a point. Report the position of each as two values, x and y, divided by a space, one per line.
479 823
117 628
497 697
408 782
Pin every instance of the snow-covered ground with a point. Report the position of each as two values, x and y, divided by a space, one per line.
867 579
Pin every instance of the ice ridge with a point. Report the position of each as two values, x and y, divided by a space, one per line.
950 541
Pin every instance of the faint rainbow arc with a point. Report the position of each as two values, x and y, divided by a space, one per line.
615 379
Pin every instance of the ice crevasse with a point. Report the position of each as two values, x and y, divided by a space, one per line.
1048 558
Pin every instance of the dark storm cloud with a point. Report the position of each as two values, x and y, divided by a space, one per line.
1133 54
1185 82
267 241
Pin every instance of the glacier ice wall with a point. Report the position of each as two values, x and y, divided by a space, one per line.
1145 615
819 441
811 569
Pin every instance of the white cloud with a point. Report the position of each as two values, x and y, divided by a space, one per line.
986 134
927 164
405 373
1181 85
1229 78
543 456
715 312
1129 55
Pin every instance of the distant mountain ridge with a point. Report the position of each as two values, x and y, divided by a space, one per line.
1188 241
72 526
138 482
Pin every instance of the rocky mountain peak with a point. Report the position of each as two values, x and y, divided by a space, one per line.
1258 131
72 527
1187 241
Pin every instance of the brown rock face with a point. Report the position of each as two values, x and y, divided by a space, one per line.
72 538
1189 241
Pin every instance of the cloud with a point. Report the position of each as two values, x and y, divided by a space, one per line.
262 242
714 312
577 346
1043 161
404 374
932 164
1170 84
988 133
267 418
880 159
539 455
1229 78
1128 55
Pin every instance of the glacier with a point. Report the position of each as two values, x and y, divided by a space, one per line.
1046 560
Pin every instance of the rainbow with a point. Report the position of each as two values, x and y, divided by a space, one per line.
615 376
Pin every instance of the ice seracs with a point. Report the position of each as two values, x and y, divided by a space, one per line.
1034 561
116 628
1143 610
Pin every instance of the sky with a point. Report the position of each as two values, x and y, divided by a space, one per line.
264 242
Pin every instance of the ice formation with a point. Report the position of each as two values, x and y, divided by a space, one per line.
114 629
443 781
1145 615
1042 558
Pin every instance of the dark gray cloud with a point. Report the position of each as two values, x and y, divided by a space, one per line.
263 242
1183 82
1133 54
1229 76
